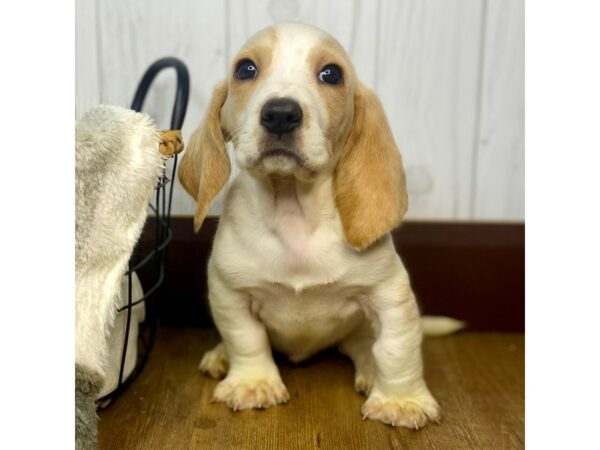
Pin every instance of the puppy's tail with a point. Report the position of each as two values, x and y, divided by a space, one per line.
441 325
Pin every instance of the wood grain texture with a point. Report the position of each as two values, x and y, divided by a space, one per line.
427 68
477 378
500 158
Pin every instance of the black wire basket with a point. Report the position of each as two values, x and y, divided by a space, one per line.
149 255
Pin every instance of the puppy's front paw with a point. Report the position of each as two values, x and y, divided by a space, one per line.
241 394
411 412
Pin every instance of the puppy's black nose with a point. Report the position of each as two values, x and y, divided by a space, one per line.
281 116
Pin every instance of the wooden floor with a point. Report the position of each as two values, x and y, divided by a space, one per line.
477 378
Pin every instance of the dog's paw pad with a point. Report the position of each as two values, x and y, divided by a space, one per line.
402 412
249 394
214 364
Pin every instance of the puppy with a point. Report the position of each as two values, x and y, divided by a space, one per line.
303 258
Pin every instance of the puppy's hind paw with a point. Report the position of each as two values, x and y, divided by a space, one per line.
363 382
214 362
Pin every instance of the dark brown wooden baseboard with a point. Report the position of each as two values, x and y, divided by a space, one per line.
472 271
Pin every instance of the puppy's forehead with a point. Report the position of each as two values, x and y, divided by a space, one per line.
295 41
292 44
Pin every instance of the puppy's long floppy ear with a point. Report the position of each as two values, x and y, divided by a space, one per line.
205 166
369 183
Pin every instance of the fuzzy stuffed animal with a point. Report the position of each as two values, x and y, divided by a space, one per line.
116 336
118 162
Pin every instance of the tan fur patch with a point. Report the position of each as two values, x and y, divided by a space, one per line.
258 49
369 182
337 98
205 166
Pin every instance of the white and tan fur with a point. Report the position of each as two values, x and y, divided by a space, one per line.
303 259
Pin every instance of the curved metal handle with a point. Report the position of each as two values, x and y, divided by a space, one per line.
182 92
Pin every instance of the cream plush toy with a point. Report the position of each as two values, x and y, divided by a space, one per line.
116 336
118 162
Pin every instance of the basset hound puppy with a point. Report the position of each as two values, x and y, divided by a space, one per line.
303 258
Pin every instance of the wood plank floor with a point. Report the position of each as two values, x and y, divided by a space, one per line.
478 378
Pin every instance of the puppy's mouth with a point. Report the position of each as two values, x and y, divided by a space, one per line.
282 160
281 153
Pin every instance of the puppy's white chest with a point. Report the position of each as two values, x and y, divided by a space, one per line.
286 251
290 228
301 255
302 324
305 301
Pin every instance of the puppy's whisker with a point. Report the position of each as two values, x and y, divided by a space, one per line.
232 135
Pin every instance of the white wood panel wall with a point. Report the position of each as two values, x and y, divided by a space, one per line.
499 164
450 74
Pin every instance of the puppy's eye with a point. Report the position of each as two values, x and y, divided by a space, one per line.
331 74
246 69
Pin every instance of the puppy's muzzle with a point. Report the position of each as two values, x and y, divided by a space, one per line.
281 116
